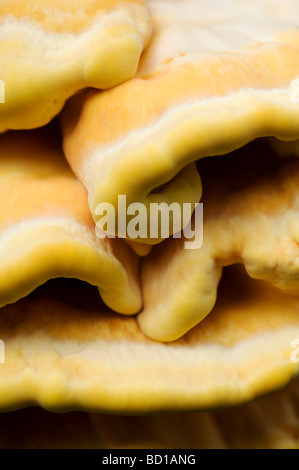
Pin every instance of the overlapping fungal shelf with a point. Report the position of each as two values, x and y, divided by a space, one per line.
161 101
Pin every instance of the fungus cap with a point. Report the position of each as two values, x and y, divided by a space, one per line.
251 216
64 351
267 423
51 49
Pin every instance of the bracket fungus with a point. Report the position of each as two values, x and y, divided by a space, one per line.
251 216
50 49
162 102
209 82
46 228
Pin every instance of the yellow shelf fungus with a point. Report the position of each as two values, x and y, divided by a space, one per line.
208 83
180 337
50 49
251 216
268 423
